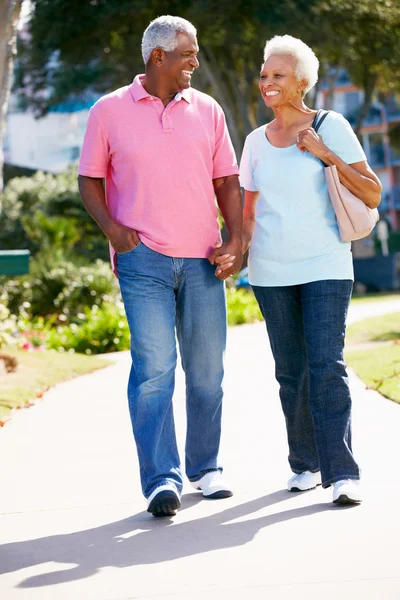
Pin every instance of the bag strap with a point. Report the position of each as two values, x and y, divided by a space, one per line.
316 124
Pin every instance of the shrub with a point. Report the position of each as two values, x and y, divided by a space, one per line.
45 212
56 286
8 327
100 330
242 307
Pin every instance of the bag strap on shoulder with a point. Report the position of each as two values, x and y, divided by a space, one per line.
319 119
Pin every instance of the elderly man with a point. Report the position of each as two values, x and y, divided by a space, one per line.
165 153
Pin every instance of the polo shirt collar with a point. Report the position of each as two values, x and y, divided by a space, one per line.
138 92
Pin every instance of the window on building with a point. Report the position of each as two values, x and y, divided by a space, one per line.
352 103
376 150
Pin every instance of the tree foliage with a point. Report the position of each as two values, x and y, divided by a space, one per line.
78 47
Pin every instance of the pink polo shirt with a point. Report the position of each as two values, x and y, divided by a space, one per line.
159 163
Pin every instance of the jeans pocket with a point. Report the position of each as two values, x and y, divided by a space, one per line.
128 251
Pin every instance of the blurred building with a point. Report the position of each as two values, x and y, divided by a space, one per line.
51 143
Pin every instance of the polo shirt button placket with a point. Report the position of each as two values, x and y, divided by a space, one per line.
166 122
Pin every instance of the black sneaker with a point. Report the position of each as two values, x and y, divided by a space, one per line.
163 502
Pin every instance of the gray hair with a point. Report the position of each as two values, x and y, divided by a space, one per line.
163 33
307 63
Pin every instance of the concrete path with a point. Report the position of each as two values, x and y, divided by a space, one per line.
73 523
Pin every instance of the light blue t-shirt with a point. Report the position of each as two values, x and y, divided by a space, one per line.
296 237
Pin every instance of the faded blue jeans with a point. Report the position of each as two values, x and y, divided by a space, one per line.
306 328
163 295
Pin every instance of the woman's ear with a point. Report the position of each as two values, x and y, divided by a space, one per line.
302 86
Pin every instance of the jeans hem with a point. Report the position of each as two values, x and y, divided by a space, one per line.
198 477
299 472
326 484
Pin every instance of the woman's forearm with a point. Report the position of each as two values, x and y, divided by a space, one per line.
358 178
249 224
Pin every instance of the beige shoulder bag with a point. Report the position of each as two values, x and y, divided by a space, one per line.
355 219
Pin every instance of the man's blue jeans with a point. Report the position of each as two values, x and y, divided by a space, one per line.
162 294
306 328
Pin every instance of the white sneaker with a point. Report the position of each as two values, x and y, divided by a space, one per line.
302 482
213 486
346 491
164 501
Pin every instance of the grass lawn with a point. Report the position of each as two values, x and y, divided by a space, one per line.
378 297
378 365
379 369
39 370
375 329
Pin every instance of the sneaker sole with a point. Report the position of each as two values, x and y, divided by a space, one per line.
220 494
295 489
345 499
165 504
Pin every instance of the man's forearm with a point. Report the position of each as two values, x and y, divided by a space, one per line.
94 200
230 204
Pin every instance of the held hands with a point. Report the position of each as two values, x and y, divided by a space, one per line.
122 238
227 257
308 140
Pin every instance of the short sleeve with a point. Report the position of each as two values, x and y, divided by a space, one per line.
95 153
224 159
338 135
246 168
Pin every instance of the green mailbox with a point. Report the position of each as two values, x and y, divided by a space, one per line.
14 262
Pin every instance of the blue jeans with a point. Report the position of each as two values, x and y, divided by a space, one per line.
306 328
163 294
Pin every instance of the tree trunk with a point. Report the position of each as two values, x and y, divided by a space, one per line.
369 85
221 95
331 76
9 15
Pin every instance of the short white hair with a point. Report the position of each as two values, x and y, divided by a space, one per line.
163 33
306 63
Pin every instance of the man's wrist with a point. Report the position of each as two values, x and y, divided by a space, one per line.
235 236
109 227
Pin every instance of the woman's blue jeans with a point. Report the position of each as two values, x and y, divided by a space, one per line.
163 295
306 328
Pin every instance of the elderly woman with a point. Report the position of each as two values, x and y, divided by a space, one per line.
300 271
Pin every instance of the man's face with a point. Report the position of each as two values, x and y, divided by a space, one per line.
179 64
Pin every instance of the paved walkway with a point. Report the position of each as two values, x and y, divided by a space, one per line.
73 524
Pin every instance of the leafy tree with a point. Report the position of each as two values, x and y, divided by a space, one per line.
76 47
363 37
81 47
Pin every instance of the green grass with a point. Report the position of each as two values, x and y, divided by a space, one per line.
378 297
379 366
379 369
375 329
38 370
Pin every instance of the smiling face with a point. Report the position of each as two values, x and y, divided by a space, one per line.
179 64
278 82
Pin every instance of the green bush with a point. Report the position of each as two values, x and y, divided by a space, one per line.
242 307
45 212
56 286
8 326
100 330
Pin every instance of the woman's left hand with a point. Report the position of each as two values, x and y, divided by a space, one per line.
308 140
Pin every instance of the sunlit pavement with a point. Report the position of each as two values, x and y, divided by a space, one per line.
73 522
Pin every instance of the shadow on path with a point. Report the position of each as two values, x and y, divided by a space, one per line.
142 539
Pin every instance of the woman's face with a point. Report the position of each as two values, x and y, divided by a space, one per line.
278 83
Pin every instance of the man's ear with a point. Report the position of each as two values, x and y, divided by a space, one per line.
157 56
